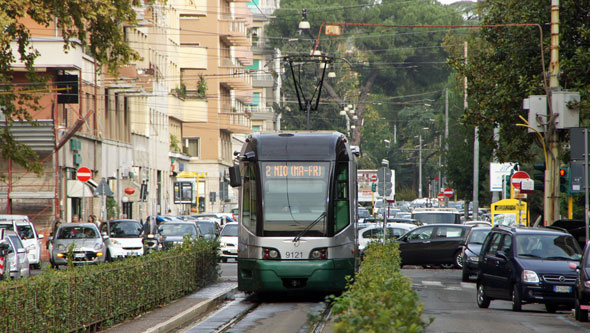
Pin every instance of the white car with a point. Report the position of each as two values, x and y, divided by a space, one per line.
375 233
28 235
228 239
125 238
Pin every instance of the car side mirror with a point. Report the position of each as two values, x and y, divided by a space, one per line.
4 246
105 237
21 250
41 236
574 266
235 179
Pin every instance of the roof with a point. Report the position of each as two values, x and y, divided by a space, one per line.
298 146
530 230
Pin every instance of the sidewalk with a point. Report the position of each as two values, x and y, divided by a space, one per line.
178 312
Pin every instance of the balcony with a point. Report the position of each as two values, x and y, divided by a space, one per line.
187 109
261 113
236 78
244 55
191 56
235 122
261 79
234 32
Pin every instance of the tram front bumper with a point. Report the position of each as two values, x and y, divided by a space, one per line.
276 275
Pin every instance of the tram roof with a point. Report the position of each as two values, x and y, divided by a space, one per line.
313 146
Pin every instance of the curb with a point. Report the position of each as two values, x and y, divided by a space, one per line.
190 314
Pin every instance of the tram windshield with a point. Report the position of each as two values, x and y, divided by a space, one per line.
295 196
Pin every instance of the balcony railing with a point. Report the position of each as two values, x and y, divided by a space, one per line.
234 32
237 78
235 122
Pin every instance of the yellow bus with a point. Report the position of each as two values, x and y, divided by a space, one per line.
510 212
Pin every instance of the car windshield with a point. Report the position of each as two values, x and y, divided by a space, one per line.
125 229
296 197
364 213
549 247
230 230
16 241
6 226
76 232
478 236
25 231
207 227
177 229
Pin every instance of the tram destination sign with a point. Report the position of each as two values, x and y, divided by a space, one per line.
295 170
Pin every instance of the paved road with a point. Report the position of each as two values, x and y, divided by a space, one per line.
451 303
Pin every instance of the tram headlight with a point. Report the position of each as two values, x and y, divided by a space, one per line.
269 253
319 254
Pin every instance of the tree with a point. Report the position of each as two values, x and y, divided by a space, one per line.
388 61
505 66
97 25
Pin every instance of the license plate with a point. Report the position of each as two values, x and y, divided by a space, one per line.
562 289
293 255
79 255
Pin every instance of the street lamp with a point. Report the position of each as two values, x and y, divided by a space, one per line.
419 165
304 24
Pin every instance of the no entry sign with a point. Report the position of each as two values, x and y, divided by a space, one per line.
518 177
448 192
83 174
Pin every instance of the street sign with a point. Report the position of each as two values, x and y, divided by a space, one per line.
83 174
448 192
518 177
103 189
441 196
384 174
374 178
527 186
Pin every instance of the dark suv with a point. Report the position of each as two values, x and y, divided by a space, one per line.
527 265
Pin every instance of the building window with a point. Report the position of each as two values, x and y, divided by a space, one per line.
256 98
255 128
192 147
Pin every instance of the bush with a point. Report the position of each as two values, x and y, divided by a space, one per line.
101 295
380 299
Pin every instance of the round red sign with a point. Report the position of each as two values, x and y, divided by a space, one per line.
83 174
517 178
374 178
448 192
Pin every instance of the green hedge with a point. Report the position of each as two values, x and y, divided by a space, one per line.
98 296
380 299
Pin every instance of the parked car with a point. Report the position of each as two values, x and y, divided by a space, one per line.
528 265
124 238
392 220
228 242
478 223
18 261
173 232
363 213
210 229
4 259
435 244
222 218
471 251
88 244
28 234
375 233
582 286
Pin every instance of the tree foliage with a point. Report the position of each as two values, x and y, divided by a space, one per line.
505 66
97 25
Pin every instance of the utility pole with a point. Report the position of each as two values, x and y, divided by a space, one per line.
443 183
551 200
475 151
420 168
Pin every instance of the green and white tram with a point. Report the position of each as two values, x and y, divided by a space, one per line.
298 201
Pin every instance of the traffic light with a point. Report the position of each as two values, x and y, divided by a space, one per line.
539 177
374 187
564 179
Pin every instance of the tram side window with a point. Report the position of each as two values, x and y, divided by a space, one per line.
341 204
249 203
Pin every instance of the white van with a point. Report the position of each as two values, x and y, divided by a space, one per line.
28 234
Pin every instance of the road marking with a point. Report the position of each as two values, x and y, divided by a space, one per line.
432 283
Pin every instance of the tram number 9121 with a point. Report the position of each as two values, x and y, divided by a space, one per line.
293 255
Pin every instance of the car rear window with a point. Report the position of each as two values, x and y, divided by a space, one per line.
548 247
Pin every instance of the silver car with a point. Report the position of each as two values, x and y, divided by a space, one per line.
16 260
87 242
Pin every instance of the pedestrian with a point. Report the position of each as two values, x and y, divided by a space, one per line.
92 219
75 219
